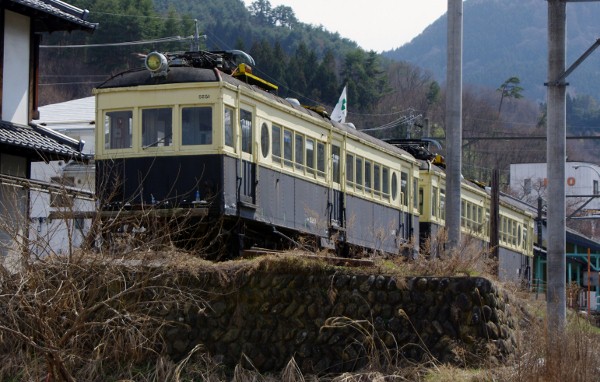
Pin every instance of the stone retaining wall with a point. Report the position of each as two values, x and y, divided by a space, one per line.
336 320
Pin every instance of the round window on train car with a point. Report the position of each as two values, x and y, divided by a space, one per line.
264 140
394 186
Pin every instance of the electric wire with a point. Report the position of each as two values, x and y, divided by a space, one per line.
126 43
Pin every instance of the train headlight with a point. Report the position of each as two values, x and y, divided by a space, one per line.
157 64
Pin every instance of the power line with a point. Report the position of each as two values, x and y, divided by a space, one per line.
127 43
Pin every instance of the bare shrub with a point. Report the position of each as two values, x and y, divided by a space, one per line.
90 315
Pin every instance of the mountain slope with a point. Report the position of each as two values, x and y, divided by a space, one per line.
505 38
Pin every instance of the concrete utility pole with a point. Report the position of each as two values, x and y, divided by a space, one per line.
556 157
454 121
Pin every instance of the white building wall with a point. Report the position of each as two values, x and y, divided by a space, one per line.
16 68
55 236
529 180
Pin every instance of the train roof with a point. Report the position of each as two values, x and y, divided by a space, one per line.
189 74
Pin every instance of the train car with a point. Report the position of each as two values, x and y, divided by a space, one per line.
197 136
515 230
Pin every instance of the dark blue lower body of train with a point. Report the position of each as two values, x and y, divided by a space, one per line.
233 204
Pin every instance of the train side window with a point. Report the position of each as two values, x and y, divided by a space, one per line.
310 155
287 147
264 140
442 204
246 126
228 125
299 151
335 159
434 201
350 170
196 126
377 179
368 176
385 182
276 138
359 173
117 129
157 127
321 159
415 191
404 188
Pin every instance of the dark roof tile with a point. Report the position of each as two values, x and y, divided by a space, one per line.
39 139
59 9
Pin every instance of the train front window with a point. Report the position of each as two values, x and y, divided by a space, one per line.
196 126
246 126
157 127
228 122
117 129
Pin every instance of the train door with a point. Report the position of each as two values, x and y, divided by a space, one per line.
336 205
336 198
247 176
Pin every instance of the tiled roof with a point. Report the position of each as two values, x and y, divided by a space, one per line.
39 140
57 9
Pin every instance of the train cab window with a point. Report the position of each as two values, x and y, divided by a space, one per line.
276 140
228 127
264 140
359 173
310 155
321 160
246 126
335 160
287 147
385 182
157 127
196 126
117 129
377 179
404 188
350 170
299 151
368 176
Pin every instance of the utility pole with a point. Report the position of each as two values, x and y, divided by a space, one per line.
556 157
454 121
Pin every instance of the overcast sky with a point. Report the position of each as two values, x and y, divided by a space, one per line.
374 24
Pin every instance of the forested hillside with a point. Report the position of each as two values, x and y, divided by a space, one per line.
505 38
390 98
